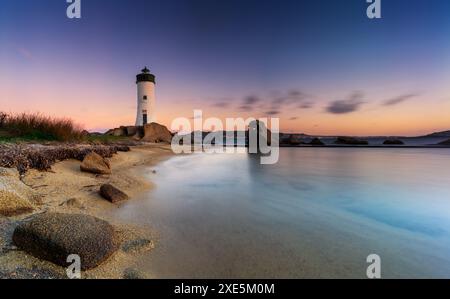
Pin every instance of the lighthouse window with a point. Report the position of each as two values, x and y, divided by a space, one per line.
144 118
145 97
144 111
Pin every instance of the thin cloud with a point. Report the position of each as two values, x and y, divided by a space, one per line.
346 106
399 99
245 107
251 100
249 103
306 105
273 112
293 99
221 104
297 94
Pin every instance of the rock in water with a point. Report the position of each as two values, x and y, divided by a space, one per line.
55 236
94 163
350 141
112 194
156 133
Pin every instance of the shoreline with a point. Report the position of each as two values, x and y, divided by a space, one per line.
65 189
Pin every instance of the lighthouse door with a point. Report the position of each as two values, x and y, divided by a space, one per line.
144 118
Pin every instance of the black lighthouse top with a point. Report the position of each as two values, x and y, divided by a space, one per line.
145 76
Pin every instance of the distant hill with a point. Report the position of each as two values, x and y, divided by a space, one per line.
439 134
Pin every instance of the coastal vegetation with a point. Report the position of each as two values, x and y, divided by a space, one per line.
36 126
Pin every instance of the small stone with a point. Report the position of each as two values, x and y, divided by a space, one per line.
73 202
111 193
137 245
130 273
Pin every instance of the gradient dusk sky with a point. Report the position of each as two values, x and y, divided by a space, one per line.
321 66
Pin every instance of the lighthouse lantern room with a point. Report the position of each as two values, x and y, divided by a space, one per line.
145 97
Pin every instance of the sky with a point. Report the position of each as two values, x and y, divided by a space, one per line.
320 66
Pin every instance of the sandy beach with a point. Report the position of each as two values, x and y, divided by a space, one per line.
65 189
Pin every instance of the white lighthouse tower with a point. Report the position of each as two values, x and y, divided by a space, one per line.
145 97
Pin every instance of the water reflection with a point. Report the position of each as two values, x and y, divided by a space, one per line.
317 213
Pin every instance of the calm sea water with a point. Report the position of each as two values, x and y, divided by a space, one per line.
319 212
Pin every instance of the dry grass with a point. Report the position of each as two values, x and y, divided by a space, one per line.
36 126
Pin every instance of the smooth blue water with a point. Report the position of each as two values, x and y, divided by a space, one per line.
319 212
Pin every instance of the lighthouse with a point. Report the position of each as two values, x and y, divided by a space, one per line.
145 97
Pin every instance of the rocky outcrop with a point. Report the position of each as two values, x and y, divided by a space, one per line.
156 133
112 194
55 236
393 142
134 130
316 142
350 141
446 142
295 140
137 132
14 195
117 132
94 163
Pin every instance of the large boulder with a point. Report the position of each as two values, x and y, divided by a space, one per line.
156 133
94 163
111 193
258 131
55 236
14 195
350 141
